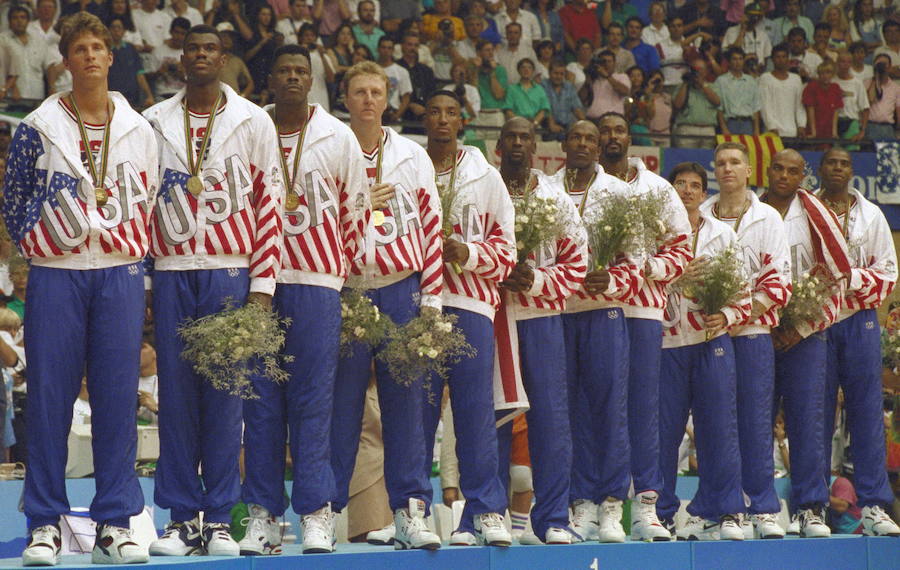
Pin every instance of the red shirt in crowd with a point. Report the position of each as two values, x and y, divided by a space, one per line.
826 100
579 23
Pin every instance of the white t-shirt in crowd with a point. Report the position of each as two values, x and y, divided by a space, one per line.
855 98
400 83
782 103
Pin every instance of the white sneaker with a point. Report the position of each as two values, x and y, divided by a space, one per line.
43 546
263 535
698 528
766 526
731 529
383 536
179 539
116 545
557 536
528 538
411 529
584 520
490 530
645 524
876 522
811 524
746 526
793 528
462 538
318 531
217 540
611 521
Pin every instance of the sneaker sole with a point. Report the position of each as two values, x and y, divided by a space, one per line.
872 533
318 550
100 558
194 552
381 542
400 545
271 552
42 561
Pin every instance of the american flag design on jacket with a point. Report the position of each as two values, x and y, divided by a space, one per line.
683 317
236 221
409 239
325 231
50 206
872 255
483 219
672 255
624 274
763 240
559 265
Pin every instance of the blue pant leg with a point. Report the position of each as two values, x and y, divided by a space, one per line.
860 375
542 353
585 469
504 452
755 362
714 402
315 336
115 327
605 386
55 349
432 394
645 337
220 412
472 403
835 350
265 437
177 485
674 407
401 408
800 373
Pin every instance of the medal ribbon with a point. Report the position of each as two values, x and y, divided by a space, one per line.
99 176
194 166
586 188
289 179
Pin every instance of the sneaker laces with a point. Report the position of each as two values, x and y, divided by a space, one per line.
729 519
612 509
878 515
811 516
172 529
415 524
218 531
254 524
316 523
648 514
120 532
766 518
491 521
44 535
580 513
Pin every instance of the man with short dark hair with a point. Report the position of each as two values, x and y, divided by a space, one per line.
739 93
750 34
513 50
421 78
565 105
802 61
401 86
781 97
367 32
644 54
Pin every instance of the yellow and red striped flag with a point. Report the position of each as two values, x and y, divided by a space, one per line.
761 150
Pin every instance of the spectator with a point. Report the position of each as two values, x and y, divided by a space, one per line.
781 449
846 516
813 9
181 9
579 22
18 274
43 26
361 53
607 90
858 66
657 31
122 8
398 78
840 28
9 72
739 110
413 27
443 50
367 31
126 74
550 22
546 53
659 108
167 79
421 77
821 42
822 99
434 26
617 11
353 5
802 61
615 35
854 115
394 12
232 12
884 101
781 97
750 35
891 32
865 27
330 14
148 387
154 26
636 112
96 7
696 103
513 14
319 66
767 24
466 47
711 54
492 85
31 56
514 50
489 31
790 20
671 52
527 98
342 52
644 55
289 27
234 73
263 44
467 93
583 57
702 16
565 105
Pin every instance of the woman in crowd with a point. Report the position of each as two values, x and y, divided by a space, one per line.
548 18
263 44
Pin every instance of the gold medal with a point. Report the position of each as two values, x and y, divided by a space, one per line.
292 201
377 217
101 195
195 185
98 174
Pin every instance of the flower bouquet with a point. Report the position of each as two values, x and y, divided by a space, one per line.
362 322
721 281
614 229
537 220
890 349
808 294
231 346
653 209
425 345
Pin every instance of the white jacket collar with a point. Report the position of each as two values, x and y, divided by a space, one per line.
319 128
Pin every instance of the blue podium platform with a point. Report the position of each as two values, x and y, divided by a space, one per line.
842 552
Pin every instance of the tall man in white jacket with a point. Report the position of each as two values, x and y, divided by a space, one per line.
326 209
761 234
216 239
79 188
854 346
478 255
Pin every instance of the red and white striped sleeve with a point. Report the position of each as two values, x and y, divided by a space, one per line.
871 284
356 205
494 257
265 258
554 283
432 278
625 279
670 260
